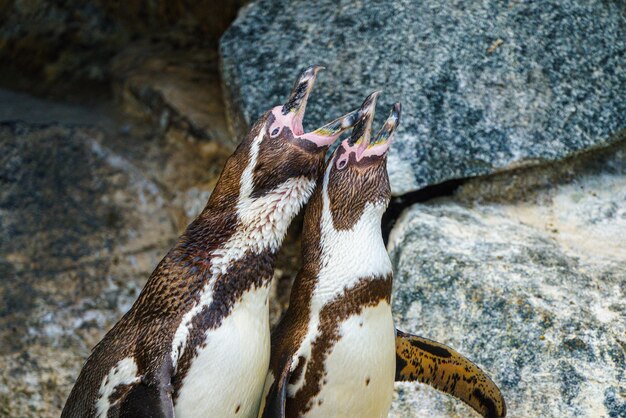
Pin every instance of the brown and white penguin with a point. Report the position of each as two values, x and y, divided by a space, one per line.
335 352
197 340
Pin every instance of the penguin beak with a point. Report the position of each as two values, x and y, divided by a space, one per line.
362 131
292 112
327 134
381 144
296 104
361 142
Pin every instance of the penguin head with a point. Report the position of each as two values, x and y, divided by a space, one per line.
278 148
273 172
357 171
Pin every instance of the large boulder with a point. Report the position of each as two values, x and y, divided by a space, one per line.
485 86
529 281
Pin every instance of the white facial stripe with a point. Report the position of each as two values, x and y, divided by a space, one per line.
124 373
263 225
347 257
246 183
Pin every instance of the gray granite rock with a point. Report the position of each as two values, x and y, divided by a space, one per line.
533 289
485 86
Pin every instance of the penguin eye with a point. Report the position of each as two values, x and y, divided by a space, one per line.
275 132
341 164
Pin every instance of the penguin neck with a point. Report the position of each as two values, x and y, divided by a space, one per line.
236 221
349 257
263 221
336 260
253 226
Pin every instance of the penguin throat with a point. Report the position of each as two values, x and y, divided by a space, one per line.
264 220
348 255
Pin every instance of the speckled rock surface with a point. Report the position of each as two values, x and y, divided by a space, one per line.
531 285
86 213
485 86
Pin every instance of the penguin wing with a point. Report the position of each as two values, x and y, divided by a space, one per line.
277 395
445 369
146 401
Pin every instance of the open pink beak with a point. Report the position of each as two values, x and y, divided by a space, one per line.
296 104
361 142
292 112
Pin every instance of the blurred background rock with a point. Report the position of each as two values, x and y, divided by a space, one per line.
508 226
111 125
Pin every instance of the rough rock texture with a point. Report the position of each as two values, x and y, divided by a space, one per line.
526 275
80 229
485 86
86 213
179 90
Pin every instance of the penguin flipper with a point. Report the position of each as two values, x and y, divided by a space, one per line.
445 369
146 401
277 396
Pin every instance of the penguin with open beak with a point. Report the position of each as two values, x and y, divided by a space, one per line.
196 343
336 352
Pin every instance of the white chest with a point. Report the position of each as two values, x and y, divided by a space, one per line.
360 367
226 378
349 256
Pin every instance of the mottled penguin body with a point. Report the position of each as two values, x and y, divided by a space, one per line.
196 342
340 304
344 314
335 352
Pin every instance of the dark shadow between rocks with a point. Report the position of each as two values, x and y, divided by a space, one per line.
399 203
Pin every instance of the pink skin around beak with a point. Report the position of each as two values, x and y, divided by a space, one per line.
360 142
292 112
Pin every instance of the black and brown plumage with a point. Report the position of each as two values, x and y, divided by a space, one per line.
336 352
196 342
